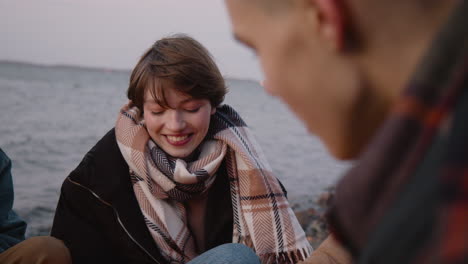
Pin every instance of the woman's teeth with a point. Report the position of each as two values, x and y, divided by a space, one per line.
177 139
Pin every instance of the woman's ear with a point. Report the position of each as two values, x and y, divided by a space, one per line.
213 110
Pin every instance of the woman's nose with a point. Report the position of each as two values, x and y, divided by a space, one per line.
176 121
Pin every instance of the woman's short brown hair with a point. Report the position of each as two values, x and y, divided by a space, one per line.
181 62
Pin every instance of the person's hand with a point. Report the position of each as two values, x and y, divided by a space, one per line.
329 252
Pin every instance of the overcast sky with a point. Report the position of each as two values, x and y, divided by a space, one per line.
114 33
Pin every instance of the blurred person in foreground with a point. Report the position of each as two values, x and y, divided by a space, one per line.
180 174
386 83
13 246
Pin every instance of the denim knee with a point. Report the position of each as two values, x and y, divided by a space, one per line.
228 253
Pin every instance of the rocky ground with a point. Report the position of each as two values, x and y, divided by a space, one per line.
310 213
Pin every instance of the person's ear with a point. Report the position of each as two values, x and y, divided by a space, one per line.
331 20
213 110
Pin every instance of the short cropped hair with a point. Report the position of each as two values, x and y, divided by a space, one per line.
181 62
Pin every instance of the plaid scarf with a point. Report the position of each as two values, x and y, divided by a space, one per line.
433 106
263 219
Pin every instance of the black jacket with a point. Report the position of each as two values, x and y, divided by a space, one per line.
99 219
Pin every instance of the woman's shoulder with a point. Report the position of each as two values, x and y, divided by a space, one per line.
106 144
103 161
5 162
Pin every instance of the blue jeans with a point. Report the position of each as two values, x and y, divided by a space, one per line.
227 254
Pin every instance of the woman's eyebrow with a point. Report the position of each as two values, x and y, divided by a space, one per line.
188 100
183 102
150 101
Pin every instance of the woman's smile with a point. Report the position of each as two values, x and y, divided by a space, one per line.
181 126
178 140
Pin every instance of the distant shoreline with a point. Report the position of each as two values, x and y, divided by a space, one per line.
93 68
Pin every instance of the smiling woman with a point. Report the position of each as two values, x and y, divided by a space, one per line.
178 86
179 175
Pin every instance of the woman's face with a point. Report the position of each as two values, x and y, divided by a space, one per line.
178 130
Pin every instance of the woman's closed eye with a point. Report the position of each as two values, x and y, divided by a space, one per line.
193 110
157 112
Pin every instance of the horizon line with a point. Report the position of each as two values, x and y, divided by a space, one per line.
98 68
